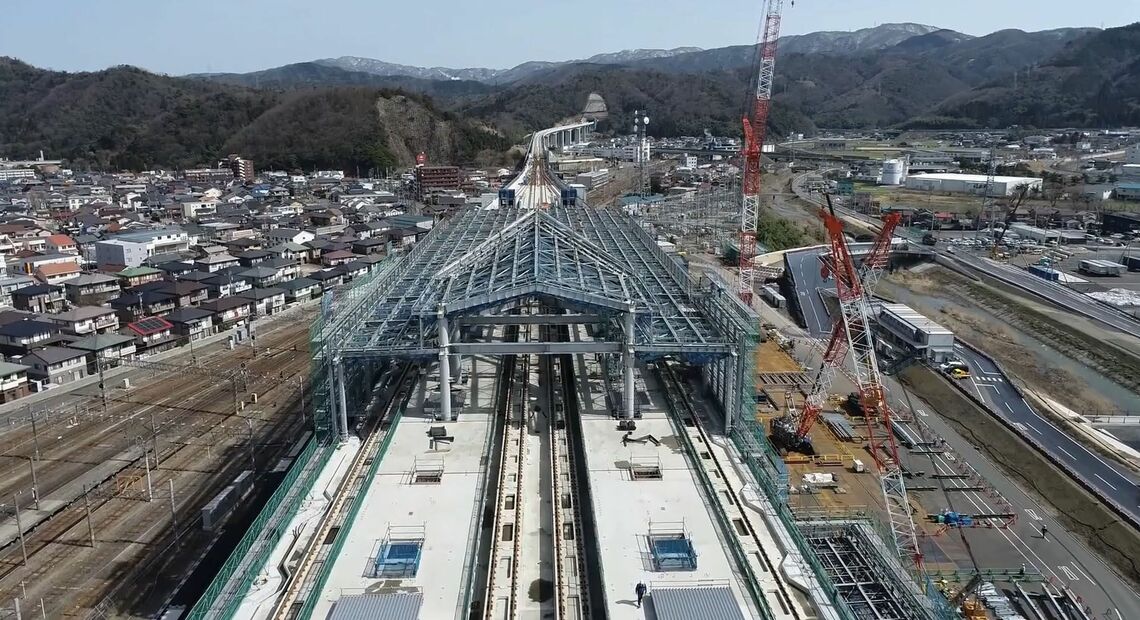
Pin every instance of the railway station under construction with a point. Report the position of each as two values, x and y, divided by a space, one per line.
524 367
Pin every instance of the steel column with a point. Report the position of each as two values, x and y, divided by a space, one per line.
342 400
444 364
629 362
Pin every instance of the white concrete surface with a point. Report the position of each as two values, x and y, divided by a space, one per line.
445 511
624 509
267 587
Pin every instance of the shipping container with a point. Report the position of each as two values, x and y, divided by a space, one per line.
1132 263
1045 273
216 511
772 296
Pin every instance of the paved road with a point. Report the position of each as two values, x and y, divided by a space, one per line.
1110 479
1061 557
804 268
1051 291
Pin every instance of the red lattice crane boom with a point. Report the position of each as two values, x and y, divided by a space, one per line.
793 434
855 313
755 129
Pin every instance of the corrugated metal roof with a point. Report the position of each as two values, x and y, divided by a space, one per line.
705 602
378 607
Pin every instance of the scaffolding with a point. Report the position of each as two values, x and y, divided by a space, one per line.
398 553
866 574
670 547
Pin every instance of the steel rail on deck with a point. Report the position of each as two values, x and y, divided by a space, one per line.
503 576
287 605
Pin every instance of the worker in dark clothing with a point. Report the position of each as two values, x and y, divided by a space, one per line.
1044 533
640 590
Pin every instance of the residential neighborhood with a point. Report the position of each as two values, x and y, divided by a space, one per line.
102 268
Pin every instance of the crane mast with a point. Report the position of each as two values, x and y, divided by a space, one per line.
755 128
855 314
793 433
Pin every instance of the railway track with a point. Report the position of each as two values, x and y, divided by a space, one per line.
306 577
503 582
571 590
124 518
74 444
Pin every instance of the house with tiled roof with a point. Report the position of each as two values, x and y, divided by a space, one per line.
91 289
56 273
53 366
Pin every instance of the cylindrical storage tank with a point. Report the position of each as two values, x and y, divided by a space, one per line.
893 172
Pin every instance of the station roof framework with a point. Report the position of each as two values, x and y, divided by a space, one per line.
484 260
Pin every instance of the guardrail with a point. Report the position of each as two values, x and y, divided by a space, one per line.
358 500
1032 441
673 392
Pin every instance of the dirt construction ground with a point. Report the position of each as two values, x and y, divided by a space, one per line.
1017 334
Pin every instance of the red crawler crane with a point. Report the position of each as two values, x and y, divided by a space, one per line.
755 128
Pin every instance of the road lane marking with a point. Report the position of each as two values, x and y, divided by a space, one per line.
1069 573
1102 461
1066 453
1033 514
1010 409
1106 464
1105 481
921 413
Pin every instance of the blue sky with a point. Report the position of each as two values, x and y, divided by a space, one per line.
187 36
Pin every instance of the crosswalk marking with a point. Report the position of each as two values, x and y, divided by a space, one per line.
990 379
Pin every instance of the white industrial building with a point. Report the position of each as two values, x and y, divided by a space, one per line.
1040 235
593 180
955 183
1132 154
893 172
906 327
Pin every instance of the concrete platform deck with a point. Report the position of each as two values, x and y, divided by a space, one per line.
626 510
446 512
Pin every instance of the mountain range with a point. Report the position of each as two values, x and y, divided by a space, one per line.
825 42
340 112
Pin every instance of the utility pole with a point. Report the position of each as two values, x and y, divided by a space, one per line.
173 512
35 433
35 484
20 528
87 507
149 489
154 437
249 425
302 382
102 384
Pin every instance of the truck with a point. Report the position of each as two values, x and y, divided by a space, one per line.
929 239
1100 267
